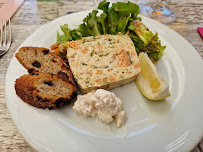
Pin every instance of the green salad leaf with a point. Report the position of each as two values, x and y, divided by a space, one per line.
128 8
104 6
102 20
91 21
142 31
83 30
66 36
121 17
156 49
112 21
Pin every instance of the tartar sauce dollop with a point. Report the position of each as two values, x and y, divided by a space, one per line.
103 104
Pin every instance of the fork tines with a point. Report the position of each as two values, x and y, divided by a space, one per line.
5 35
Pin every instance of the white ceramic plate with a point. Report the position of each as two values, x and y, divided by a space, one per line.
175 124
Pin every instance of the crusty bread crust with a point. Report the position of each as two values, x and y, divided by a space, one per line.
43 90
39 59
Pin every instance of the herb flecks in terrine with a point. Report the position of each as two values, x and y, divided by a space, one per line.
102 59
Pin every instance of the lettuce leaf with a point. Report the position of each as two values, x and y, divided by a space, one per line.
139 44
92 24
145 40
104 6
142 31
75 34
155 49
112 21
66 36
121 17
127 8
102 20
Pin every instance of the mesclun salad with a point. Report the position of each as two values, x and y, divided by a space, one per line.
121 17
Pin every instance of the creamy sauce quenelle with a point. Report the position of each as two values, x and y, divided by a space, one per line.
103 104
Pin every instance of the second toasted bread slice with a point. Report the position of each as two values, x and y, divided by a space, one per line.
38 59
44 90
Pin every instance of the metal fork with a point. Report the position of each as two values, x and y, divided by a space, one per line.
5 42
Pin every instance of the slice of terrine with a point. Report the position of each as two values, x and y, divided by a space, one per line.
106 61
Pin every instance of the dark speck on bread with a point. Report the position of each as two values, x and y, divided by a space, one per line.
36 64
49 83
45 52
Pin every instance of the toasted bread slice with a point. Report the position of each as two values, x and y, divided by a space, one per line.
106 61
43 90
38 59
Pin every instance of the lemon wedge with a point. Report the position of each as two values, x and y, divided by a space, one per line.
149 82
